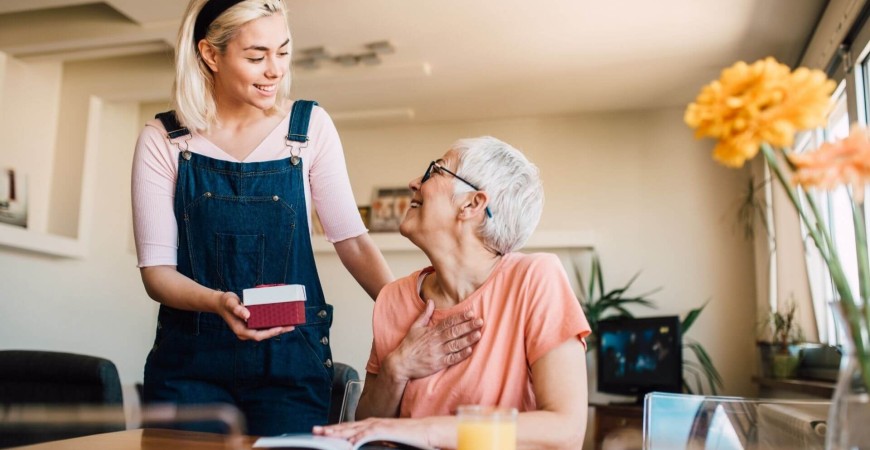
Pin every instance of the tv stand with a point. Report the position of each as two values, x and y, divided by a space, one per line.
611 418
637 402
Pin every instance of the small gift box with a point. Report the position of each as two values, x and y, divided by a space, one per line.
275 305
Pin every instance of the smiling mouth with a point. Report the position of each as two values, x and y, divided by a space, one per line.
415 203
265 88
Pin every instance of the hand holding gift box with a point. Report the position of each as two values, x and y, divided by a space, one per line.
275 305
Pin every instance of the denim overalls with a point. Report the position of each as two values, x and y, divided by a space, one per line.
240 225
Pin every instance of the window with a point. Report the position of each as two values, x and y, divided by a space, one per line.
851 105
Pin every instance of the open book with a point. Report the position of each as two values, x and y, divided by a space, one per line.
311 442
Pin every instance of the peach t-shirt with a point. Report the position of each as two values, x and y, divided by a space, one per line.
528 309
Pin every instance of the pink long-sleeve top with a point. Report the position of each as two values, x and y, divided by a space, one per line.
155 170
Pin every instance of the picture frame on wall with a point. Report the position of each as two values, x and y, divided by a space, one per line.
13 198
365 214
389 205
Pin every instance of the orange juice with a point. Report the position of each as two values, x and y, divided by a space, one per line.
486 435
487 428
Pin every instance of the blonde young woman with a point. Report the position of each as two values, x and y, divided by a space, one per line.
222 193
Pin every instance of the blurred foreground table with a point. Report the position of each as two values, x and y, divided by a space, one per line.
150 439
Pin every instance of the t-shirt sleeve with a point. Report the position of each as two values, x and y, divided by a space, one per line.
554 315
153 178
374 363
331 191
381 328
394 313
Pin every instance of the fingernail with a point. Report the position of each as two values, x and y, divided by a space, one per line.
317 429
478 322
469 314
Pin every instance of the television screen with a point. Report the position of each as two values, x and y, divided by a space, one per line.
640 355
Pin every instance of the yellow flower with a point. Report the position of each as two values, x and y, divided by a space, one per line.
836 163
761 102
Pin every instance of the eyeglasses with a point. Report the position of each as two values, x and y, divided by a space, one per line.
438 169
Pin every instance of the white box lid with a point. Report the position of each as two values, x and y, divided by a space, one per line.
274 294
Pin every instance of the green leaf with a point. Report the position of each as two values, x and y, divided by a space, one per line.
696 375
712 375
626 301
692 316
581 288
597 275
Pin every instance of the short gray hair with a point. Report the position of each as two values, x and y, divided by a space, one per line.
516 196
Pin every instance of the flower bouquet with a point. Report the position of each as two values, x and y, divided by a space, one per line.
759 107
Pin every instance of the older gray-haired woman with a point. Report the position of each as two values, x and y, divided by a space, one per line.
471 210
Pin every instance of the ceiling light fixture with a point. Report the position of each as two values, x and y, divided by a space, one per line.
369 59
307 63
315 52
346 60
381 47
313 58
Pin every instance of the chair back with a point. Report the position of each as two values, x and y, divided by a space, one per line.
342 374
724 423
52 380
352 392
33 377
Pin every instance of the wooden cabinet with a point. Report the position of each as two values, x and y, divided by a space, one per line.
615 417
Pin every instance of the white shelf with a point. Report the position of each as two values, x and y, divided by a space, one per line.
48 244
541 240
54 244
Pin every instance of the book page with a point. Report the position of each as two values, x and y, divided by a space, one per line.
303 441
311 442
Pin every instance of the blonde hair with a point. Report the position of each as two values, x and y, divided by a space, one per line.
193 90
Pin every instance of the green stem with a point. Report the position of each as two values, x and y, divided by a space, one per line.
812 226
863 273
822 239
861 250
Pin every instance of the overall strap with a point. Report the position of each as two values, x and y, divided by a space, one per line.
299 118
173 128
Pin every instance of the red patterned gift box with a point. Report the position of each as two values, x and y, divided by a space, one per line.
275 305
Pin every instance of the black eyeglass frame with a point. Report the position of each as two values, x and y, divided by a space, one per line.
428 174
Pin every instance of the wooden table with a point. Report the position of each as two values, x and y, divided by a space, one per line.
149 439
611 418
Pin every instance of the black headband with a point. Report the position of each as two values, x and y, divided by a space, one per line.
210 11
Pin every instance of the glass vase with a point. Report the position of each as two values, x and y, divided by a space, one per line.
849 416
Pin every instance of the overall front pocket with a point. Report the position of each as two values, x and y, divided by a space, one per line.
240 260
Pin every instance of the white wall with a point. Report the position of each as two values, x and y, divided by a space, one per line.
28 95
651 195
95 305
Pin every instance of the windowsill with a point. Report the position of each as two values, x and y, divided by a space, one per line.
808 387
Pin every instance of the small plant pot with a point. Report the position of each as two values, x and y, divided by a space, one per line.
765 355
785 365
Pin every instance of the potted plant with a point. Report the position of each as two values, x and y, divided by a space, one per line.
778 347
599 304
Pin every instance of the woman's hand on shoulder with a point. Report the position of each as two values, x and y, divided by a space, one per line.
429 348
235 314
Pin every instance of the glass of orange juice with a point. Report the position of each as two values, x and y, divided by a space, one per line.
487 428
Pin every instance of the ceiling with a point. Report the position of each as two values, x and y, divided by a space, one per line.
462 59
